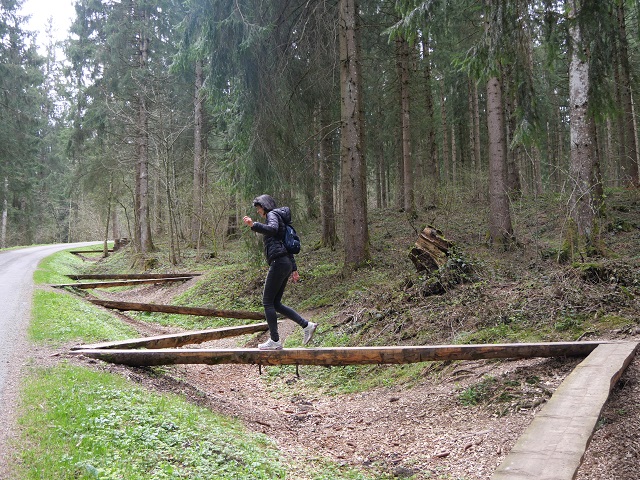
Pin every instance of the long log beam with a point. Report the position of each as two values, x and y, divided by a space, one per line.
82 252
340 356
176 309
178 339
130 276
120 283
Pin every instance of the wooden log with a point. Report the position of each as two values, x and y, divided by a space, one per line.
179 339
198 311
120 283
430 251
340 356
130 276
82 252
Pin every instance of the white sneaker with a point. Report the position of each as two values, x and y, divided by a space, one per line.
309 330
270 345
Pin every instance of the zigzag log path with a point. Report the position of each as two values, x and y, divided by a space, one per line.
176 309
339 356
551 448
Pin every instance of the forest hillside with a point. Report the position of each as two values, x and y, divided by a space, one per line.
434 419
483 295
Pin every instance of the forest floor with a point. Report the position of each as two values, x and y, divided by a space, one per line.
458 420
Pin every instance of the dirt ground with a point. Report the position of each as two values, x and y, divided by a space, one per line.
420 432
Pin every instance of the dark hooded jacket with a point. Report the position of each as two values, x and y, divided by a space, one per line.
273 229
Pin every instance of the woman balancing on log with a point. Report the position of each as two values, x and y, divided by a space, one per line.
282 265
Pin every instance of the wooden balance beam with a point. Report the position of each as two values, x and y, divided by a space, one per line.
339 356
178 339
121 283
553 445
130 276
176 309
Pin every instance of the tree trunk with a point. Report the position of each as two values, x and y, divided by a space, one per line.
405 103
581 202
384 178
513 185
472 130
105 246
476 128
354 191
454 155
537 170
431 163
399 144
327 212
379 165
630 146
445 136
146 243
196 216
620 173
608 165
500 227
5 211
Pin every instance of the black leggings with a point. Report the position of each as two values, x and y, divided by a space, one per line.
274 286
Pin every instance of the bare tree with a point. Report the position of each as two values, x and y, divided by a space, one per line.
630 148
327 212
500 227
354 191
431 163
198 174
405 109
581 171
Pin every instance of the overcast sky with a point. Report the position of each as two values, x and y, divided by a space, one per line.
61 11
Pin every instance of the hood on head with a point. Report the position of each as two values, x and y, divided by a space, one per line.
285 214
266 201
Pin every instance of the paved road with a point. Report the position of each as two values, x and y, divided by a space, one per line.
16 292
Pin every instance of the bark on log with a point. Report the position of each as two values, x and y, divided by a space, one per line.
120 283
340 356
130 276
198 311
82 252
178 339
430 251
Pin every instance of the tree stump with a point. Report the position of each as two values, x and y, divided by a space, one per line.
431 250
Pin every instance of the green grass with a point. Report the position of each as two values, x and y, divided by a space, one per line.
84 424
54 268
60 318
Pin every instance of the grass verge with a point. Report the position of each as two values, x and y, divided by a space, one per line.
86 424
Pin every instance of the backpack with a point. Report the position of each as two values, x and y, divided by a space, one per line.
291 240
